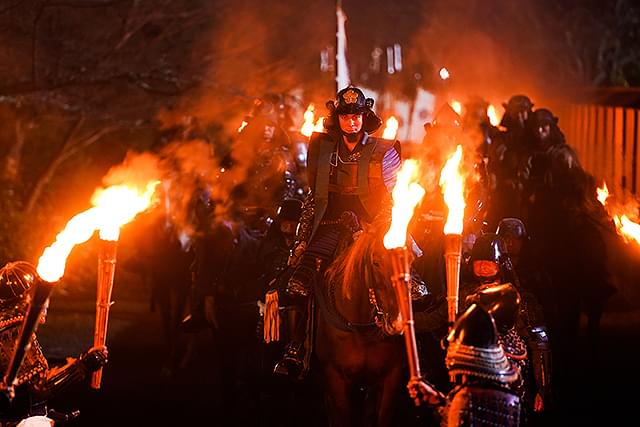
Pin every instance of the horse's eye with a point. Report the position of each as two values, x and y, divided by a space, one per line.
376 263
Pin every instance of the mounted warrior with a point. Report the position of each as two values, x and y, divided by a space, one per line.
351 175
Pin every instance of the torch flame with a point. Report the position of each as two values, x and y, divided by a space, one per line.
602 194
444 73
112 208
456 105
319 126
391 128
452 184
493 115
627 228
407 193
308 126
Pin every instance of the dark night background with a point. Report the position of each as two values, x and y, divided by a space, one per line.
82 82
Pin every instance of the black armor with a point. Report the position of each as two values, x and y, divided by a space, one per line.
351 176
532 328
36 382
482 374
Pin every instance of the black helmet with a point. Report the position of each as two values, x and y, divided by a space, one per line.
518 103
542 116
289 209
511 227
501 301
473 349
485 258
446 117
16 278
486 248
351 100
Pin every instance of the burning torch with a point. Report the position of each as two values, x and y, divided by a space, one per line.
120 205
113 207
407 193
452 184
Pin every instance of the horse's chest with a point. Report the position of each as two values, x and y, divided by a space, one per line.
355 354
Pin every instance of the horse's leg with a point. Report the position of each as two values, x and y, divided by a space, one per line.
338 398
387 394
164 304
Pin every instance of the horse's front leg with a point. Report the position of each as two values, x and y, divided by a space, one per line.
338 398
387 396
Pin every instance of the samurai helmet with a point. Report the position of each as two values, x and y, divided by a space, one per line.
473 348
16 278
351 100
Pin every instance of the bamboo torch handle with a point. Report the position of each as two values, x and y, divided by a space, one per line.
106 273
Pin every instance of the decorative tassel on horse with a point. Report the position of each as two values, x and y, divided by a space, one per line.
271 317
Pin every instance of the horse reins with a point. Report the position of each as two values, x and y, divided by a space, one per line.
337 320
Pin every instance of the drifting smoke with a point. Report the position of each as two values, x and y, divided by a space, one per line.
190 169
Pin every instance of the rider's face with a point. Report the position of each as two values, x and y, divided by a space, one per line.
350 123
513 244
269 132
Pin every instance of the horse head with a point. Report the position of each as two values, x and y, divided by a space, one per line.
362 273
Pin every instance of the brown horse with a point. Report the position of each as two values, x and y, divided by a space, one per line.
357 343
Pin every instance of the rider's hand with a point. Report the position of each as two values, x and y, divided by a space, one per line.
421 391
296 254
95 358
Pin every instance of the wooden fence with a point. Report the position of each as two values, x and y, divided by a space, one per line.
606 140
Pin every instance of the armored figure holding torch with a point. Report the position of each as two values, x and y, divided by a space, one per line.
28 381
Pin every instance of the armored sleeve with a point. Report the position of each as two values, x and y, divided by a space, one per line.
73 372
390 166
541 363
58 379
305 226
532 328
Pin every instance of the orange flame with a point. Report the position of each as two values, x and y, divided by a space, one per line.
602 193
308 126
319 126
493 115
113 207
242 126
407 193
456 105
627 228
444 73
391 128
452 184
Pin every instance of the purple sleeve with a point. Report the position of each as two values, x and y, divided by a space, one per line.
390 167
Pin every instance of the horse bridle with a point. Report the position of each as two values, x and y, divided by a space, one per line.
338 321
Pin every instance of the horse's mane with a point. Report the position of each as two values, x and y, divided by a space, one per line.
361 262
